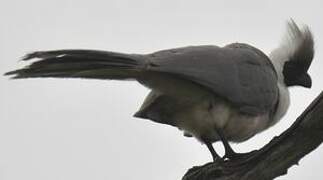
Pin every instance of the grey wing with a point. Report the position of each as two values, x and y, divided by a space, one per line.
239 73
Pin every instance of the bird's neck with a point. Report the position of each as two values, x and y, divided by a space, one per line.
278 57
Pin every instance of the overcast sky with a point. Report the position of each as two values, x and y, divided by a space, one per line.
54 129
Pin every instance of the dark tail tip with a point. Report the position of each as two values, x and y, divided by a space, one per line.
15 74
31 56
9 73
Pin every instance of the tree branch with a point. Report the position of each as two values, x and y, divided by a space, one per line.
275 158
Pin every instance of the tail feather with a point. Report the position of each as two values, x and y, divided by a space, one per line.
80 64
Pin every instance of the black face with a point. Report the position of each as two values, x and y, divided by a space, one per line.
300 59
295 75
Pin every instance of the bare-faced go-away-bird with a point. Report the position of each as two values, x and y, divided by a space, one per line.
212 93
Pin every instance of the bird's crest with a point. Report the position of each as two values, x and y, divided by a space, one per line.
295 54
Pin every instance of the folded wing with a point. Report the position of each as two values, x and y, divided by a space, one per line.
238 73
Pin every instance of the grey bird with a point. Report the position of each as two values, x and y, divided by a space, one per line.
212 93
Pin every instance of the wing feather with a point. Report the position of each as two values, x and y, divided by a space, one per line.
239 73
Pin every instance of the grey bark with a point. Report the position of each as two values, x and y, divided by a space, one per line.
276 157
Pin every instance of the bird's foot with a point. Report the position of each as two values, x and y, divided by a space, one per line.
218 160
241 157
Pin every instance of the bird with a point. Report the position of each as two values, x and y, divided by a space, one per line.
222 94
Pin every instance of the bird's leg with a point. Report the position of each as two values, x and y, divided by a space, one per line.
215 155
229 152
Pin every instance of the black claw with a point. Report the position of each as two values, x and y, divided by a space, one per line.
232 156
229 153
241 158
218 160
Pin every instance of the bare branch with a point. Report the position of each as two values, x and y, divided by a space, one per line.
275 158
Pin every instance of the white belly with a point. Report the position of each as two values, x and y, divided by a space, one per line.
202 119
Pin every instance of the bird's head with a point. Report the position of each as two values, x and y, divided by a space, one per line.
295 56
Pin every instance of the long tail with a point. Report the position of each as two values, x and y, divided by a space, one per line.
80 64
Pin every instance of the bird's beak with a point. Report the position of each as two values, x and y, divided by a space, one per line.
305 80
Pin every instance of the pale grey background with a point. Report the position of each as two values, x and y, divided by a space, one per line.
54 129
